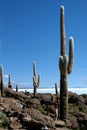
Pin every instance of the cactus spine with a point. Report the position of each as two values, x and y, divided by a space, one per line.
36 82
9 82
1 81
56 89
65 66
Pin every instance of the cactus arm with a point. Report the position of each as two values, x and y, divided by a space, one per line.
9 82
62 32
56 89
38 80
65 62
9 79
34 82
71 55
34 69
61 63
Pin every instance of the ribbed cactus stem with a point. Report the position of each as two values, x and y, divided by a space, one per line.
34 69
56 89
1 81
36 82
65 66
62 32
71 54
9 82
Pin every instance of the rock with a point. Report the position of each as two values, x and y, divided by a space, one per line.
73 122
10 104
59 123
14 123
76 99
39 120
62 128
35 103
82 119
17 95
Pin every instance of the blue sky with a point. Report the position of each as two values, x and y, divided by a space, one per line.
30 31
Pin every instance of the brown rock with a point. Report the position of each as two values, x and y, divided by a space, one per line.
39 120
59 123
17 95
76 99
14 123
35 103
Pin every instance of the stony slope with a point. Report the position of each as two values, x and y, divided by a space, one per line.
19 110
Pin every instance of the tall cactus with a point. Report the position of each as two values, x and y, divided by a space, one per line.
65 66
1 81
36 82
56 89
16 88
9 82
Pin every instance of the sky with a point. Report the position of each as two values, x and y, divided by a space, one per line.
30 31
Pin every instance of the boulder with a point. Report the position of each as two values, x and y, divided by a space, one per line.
76 99
36 120
35 103
15 124
16 95
59 123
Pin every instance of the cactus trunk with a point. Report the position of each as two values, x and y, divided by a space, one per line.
56 89
35 91
63 97
1 81
9 82
65 66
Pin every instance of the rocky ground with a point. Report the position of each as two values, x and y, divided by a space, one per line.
19 110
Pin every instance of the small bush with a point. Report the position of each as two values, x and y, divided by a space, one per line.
4 121
84 95
43 111
81 108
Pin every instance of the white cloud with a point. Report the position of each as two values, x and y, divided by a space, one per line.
6 76
24 83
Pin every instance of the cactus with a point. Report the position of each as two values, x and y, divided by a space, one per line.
36 82
16 88
1 81
9 82
56 89
65 66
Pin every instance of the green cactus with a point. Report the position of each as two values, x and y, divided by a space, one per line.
65 66
9 82
1 81
16 88
56 89
36 82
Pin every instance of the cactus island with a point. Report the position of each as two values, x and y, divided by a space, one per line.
39 111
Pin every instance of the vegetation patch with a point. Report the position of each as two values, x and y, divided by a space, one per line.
4 121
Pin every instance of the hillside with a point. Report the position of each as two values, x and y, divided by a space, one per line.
19 110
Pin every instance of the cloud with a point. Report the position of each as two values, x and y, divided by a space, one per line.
24 83
6 76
